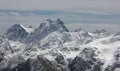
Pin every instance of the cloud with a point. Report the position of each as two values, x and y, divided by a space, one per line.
68 17
96 6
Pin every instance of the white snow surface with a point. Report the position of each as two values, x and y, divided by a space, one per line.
29 30
106 52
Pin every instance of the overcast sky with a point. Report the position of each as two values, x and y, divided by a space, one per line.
97 6
81 12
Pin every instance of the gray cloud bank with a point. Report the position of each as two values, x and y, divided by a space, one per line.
96 6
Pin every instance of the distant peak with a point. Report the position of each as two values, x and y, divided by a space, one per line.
60 21
18 31
79 30
48 19
52 23
21 26
48 27
100 31
16 25
30 27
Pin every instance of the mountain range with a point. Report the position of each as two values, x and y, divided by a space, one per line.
52 47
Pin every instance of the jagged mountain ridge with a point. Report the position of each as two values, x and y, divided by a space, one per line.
53 47
47 27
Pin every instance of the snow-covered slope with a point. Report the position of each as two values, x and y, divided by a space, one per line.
52 47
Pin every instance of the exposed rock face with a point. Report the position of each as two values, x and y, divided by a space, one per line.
39 64
3 62
16 32
60 60
46 28
84 61
5 46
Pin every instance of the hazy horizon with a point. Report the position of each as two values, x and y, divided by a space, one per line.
90 15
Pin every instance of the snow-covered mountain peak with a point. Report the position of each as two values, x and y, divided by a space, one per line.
53 25
46 28
100 31
79 30
27 29
18 31
59 21
17 27
49 21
